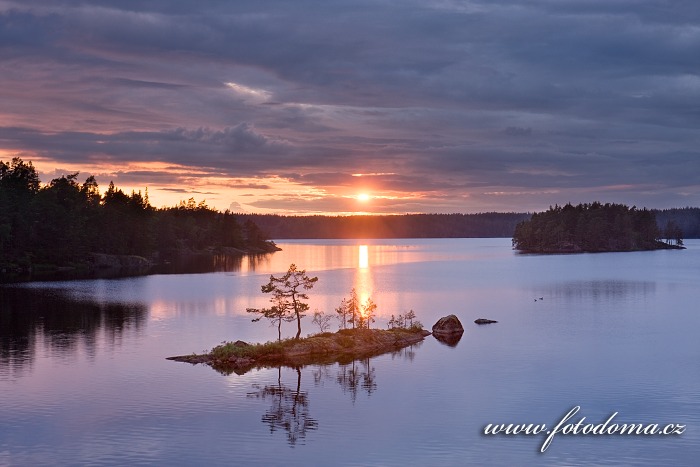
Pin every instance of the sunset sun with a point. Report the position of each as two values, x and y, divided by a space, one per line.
363 197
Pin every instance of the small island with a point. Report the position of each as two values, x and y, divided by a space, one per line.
595 227
342 346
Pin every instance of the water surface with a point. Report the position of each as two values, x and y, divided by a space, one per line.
84 380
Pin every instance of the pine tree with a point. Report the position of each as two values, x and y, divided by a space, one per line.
369 310
288 296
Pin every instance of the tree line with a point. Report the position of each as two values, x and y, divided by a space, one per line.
686 219
483 225
62 222
593 227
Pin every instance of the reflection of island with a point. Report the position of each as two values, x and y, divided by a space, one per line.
406 353
30 317
289 410
351 349
358 375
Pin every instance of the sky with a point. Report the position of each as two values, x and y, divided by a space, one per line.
362 106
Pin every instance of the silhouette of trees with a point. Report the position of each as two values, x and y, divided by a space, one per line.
404 321
673 233
280 311
322 320
19 183
491 224
342 314
288 296
63 221
410 316
349 310
352 311
366 317
687 219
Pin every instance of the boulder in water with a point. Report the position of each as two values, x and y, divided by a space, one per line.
448 325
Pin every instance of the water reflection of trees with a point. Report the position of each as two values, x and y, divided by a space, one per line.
357 376
211 262
289 409
30 317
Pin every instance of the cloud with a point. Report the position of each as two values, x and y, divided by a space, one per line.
450 100
236 207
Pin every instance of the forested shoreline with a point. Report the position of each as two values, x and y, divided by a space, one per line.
68 224
595 227
482 225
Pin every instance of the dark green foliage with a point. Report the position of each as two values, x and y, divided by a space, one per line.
61 223
590 228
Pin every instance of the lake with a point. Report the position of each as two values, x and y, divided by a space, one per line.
84 378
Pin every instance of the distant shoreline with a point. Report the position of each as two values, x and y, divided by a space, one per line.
405 226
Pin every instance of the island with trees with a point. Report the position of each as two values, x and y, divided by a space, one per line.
595 227
354 339
66 225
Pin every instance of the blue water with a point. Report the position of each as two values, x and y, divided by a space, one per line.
84 380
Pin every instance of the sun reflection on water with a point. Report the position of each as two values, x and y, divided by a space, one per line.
364 257
363 283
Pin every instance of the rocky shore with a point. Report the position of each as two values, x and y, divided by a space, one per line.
102 265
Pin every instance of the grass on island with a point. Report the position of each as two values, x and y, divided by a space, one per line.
342 346
326 342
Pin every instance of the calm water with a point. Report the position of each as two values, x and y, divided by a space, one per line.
84 380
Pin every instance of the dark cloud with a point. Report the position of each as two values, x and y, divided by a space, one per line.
495 103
